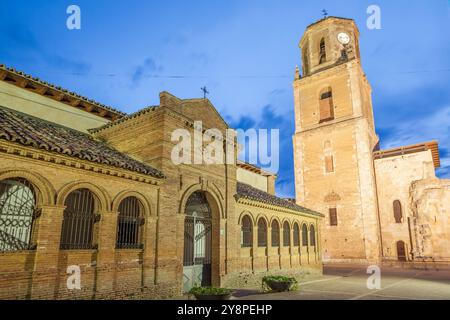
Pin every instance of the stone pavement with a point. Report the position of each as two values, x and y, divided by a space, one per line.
349 283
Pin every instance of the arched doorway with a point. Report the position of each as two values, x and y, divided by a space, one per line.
197 258
401 252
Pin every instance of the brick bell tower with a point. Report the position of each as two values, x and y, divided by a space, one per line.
334 141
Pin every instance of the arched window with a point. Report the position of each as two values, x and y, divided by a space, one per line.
286 234
79 220
398 216
312 236
246 232
304 235
296 235
129 223
326 107
262 233
322 51
17 214
275 234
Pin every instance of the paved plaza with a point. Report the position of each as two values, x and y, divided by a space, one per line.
351 284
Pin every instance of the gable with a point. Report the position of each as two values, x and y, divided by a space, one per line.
196 110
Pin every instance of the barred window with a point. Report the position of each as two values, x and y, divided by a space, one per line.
275 234
262 233
304 235
246 232
79 220
129 223
296 235
17 214
286 234
398 216
312 236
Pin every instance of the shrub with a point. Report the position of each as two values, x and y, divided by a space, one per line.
269 282
211 291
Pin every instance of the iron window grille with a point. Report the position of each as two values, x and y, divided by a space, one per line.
262 233
18 214
312 236
129 224
286 235
296 235
79 221
275 234
246 232
304 235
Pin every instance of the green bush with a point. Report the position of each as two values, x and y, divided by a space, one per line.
278 279
210 291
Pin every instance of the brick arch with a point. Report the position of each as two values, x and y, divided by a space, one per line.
262 216
209 191
288 221
101 194
275 218
46 191
217 214
323 89
249 214
147 205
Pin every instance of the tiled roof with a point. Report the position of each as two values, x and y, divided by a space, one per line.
30 131
248 192
399 151
67 93
123 119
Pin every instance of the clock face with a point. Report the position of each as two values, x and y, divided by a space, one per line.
343 38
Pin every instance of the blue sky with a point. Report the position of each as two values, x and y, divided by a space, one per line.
245 52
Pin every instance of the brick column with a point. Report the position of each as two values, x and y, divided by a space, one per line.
317 243
179 244
45 277
291 244
254 245
106 254
149 255
269 247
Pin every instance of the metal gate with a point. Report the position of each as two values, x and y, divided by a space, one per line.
197 243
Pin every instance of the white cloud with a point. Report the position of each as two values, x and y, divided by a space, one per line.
435 126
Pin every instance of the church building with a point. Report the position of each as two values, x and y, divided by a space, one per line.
381 206
93 207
